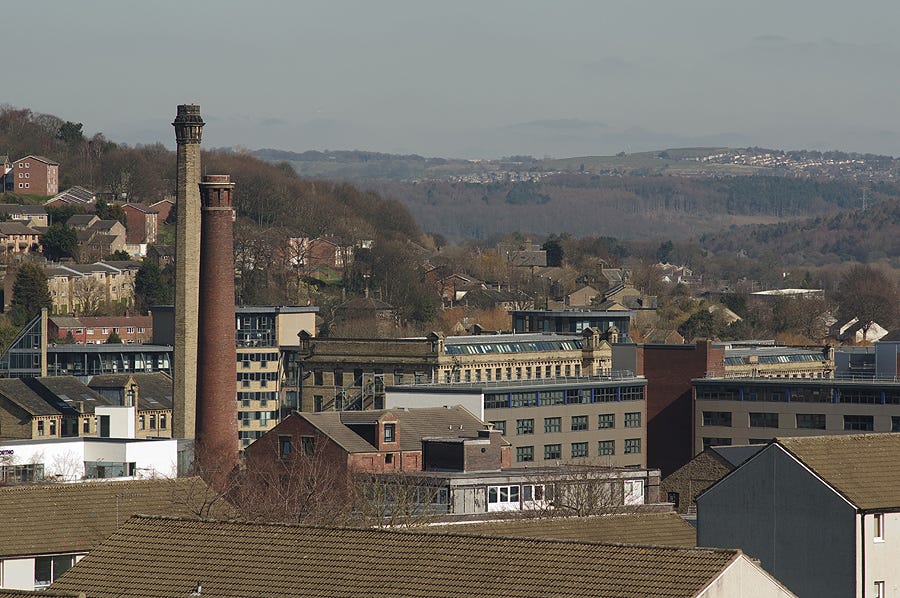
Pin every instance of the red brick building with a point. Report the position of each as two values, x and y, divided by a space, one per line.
164 208
94 330
669 370
142 223
35 175
385 441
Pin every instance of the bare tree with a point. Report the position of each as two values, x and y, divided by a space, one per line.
89 296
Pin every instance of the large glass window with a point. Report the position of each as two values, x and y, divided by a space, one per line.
717 418
859 423
763 420
811 421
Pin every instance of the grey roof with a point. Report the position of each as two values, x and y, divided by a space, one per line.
40 159
17 392
16 228
141 208
413 425
15 208
80 219
737 454
67 390
154 389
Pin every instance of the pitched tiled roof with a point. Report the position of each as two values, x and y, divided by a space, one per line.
16 391
864 468
655 529
170 557
16 228
65 518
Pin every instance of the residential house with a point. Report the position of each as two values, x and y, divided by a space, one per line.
75 196
16 238
682 487
583 297
857 332
161 255
90 288
142 224
26 414
100 239
81 222
95 330
177 557
308 254
49 527
820 513
34 216
164 208
35 175
484 297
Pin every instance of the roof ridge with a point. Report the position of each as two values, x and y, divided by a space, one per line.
414 532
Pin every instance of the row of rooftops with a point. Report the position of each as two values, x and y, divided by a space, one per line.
66 395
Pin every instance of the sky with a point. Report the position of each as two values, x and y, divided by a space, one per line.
467 79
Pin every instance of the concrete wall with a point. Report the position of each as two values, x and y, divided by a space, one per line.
744 578
776 511
882 555
473 401
289 324
121 420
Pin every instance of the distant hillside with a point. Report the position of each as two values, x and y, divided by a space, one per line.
625 207
865 236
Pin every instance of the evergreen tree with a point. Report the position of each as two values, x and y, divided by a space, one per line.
150 286
30 293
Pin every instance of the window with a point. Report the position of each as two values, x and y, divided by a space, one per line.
859 423
308 444
879 527
162 421
285 447
579 423
632 446
811 421
390 431
879 590
141 423
552 451
40 427
552 424
633 420
86 426
579 449
90 331
708 442
524 454
606 421
673 498
48 569
52 427
606 447
152 421
895 423
533 492
524 426
500 425
763 420
498 495
717 418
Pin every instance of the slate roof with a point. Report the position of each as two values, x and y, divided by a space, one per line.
140 208
412 426
15 208
76 220
655 529
737 454
168 557
16 228
17 392
154 389
63 391
66 518
863 468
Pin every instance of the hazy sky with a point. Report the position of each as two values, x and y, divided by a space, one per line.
466 78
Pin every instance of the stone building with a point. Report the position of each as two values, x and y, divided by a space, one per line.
339 374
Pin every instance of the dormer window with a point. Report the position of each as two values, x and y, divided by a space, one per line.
390 433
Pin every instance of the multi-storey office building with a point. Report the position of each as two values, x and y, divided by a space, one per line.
779 362
341 374
263 384
598 419
755 410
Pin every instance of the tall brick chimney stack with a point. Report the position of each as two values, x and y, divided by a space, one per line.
217 429
188 129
